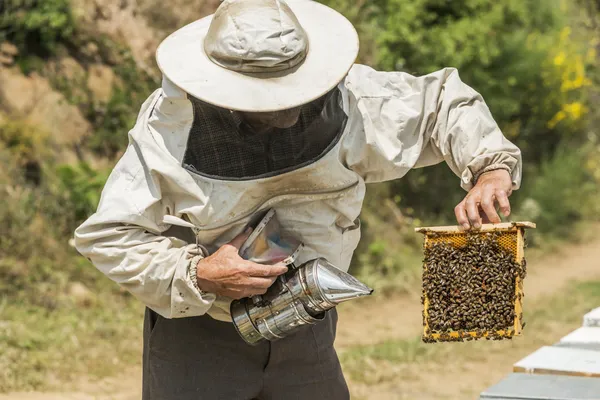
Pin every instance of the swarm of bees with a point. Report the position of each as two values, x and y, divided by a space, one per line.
469 291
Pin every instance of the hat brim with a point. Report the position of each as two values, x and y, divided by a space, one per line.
333 48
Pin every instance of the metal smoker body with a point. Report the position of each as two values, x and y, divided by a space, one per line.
300 297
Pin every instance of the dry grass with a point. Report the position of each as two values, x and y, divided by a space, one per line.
41 349
408 369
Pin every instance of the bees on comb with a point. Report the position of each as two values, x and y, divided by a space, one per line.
470 286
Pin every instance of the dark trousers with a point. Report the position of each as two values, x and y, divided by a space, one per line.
200 358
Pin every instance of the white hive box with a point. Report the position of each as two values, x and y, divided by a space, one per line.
585 338
561 361
592 318
543 387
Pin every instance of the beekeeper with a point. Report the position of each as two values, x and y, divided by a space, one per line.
262 107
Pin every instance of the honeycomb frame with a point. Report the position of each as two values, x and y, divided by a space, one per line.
512 237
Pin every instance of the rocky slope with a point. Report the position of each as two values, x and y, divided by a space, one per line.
57 95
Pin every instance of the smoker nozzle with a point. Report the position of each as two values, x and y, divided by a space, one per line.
300 297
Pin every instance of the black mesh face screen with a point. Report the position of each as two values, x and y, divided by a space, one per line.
222 145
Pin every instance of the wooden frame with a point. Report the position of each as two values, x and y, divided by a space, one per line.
504 226
510 228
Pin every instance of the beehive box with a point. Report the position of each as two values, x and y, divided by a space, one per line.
561 361
586 337
592 319
519 386
465 275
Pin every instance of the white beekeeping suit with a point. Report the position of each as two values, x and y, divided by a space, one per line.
396 122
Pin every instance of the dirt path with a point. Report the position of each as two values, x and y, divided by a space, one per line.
466 371
374 320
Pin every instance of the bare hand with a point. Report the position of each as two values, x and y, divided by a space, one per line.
225 273
489 193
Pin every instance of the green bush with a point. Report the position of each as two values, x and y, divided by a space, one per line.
37 27
48 332
40 28
534 64
532 69
500 48
28 251
38 216
112 121
26 143
78 188
38 222
561 193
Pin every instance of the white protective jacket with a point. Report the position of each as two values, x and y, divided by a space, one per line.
395 122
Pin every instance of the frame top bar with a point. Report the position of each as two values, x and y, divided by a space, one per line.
484 227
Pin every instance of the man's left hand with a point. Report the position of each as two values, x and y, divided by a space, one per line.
489 193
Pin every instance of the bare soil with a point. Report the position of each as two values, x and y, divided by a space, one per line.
375 320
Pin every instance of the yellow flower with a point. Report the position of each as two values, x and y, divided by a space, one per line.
559 59
574 110
556 119
573 74
578 82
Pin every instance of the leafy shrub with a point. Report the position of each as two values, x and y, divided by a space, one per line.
113 120
24 141
561 193
111 123
494 45
46 330
40 28
79 187
39 215
37 27
530 67
28 147
28 253
534 72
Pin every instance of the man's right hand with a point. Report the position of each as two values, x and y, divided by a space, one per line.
225 273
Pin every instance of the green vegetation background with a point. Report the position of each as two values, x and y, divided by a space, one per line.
534 61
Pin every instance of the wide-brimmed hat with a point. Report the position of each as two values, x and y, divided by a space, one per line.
261 55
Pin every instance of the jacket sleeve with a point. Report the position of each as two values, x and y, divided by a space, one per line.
400 122
125 240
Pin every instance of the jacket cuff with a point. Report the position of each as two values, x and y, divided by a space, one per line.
485 164
493 167
193 275
187 298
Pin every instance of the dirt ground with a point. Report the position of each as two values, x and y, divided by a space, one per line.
375 320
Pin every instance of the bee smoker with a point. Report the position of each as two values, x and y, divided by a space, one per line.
299 297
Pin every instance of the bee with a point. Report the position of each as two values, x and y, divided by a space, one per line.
470 287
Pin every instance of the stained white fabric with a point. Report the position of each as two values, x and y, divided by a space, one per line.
247 61
396 122
255 36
